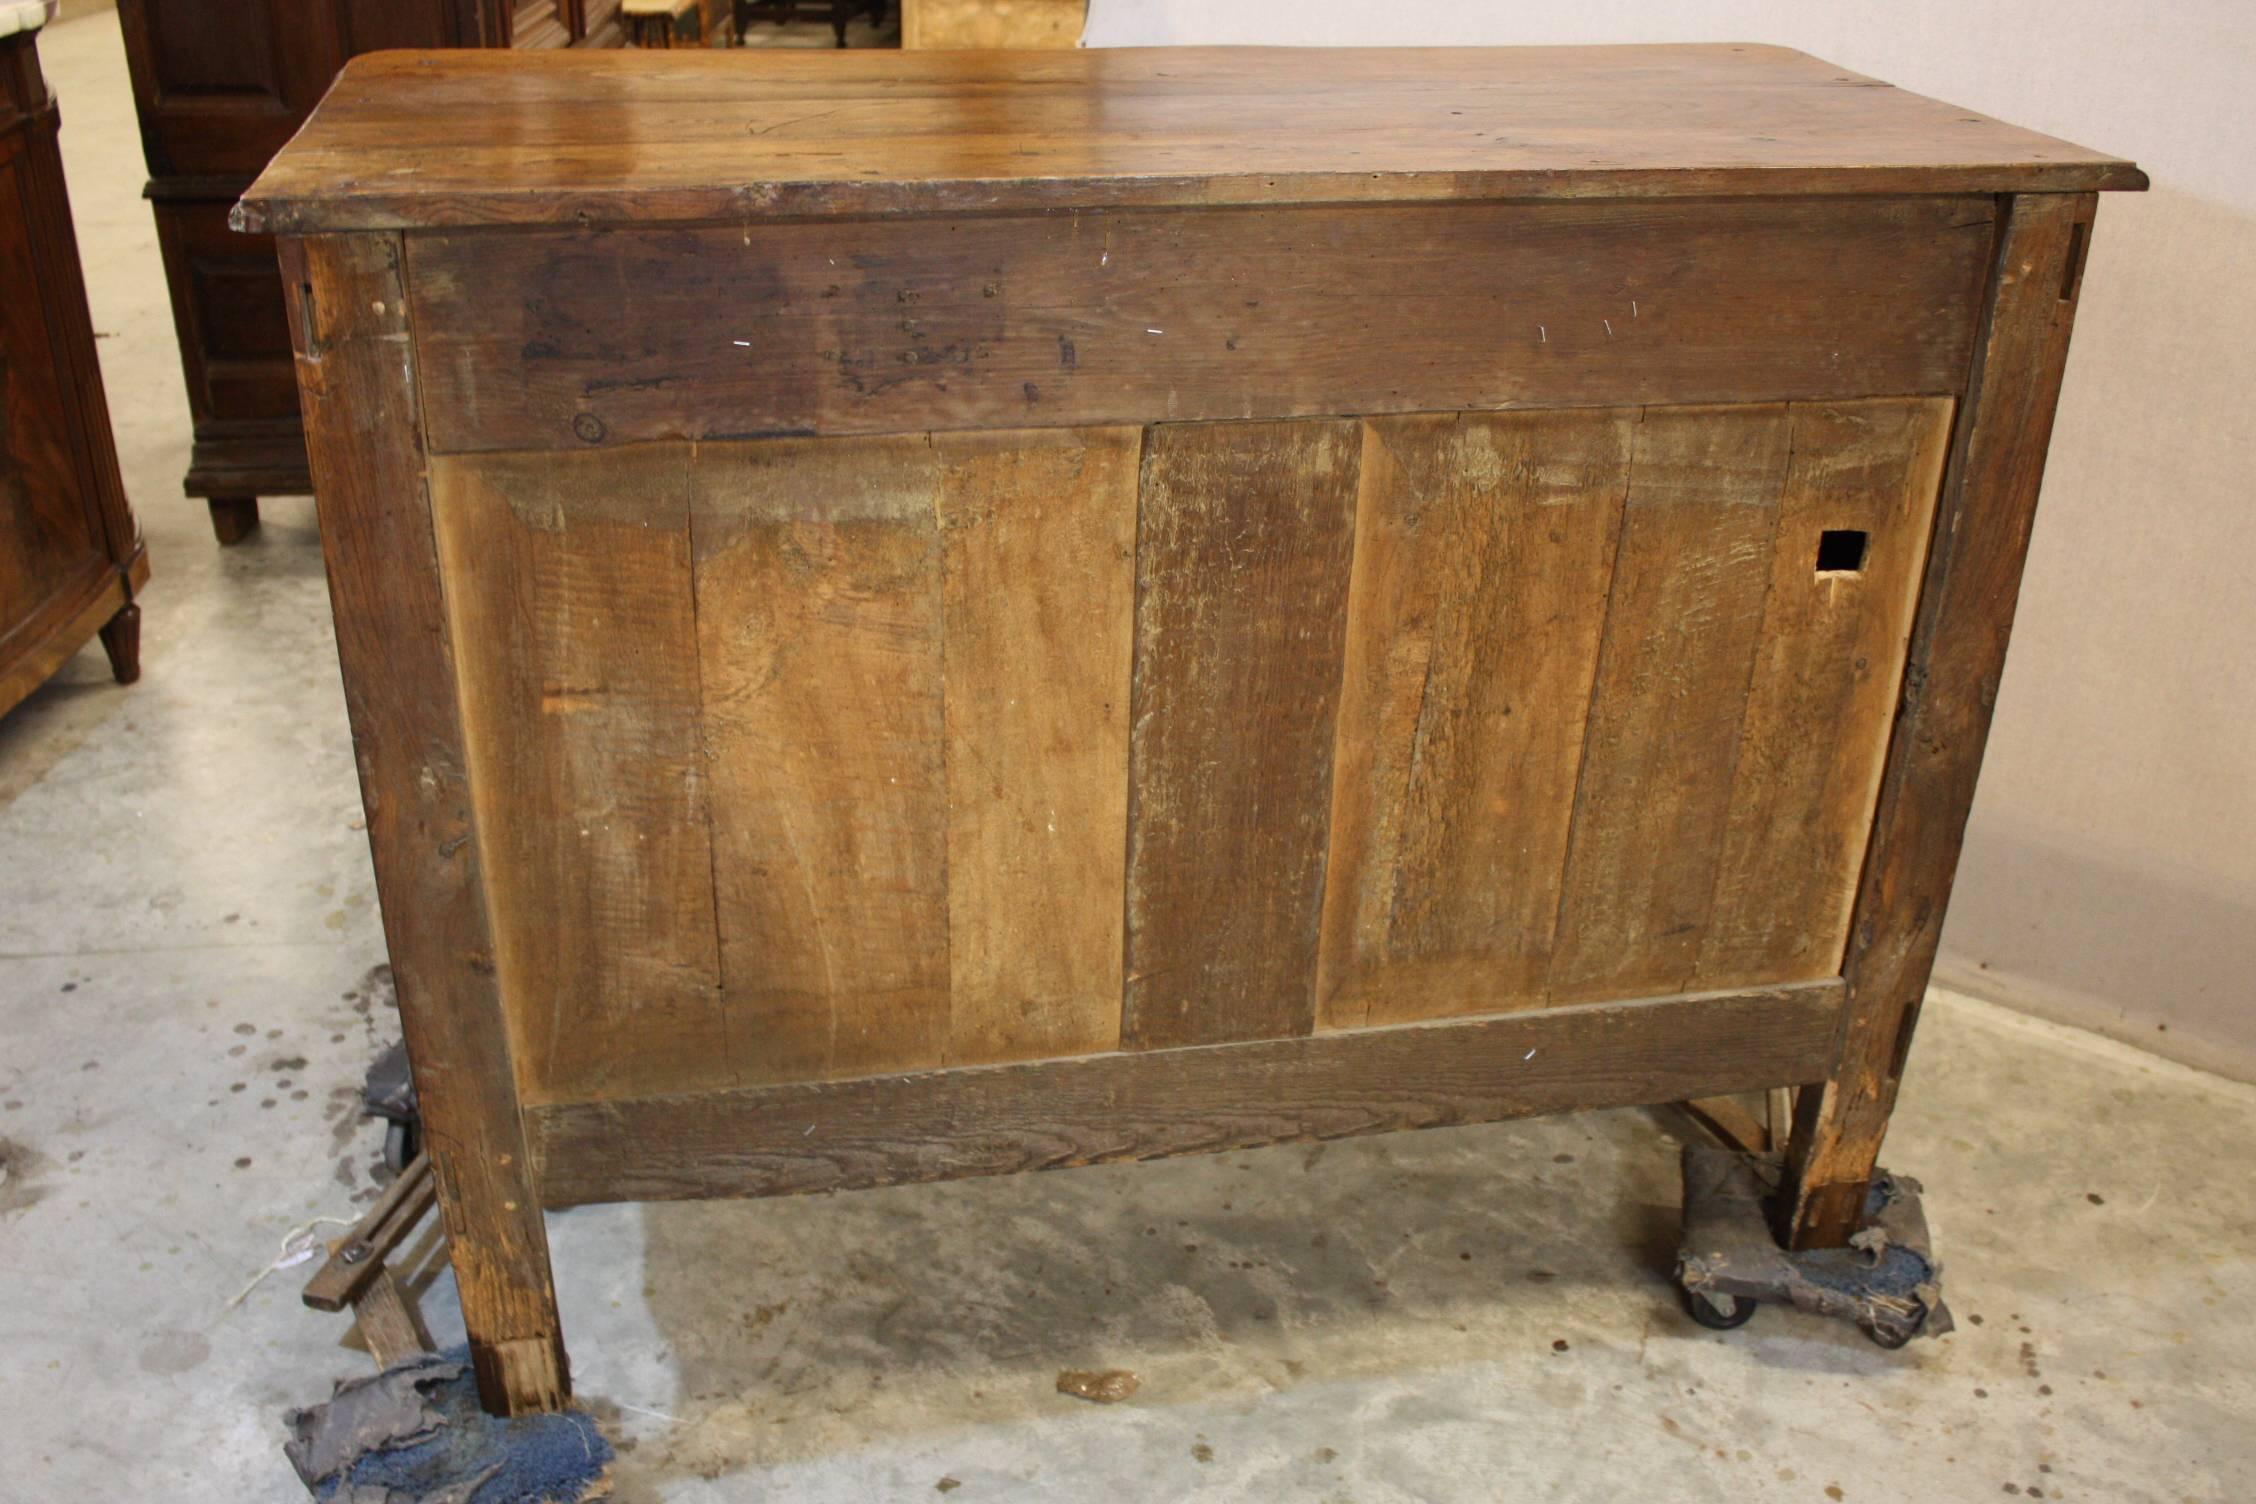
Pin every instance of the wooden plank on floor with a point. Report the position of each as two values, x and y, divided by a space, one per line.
1001 1119
819 611
570 600
1039 534
1484 545
1242 563
1863 482
1681 630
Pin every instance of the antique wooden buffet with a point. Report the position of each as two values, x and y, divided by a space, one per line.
934 614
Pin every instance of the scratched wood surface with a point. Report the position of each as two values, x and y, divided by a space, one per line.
1484 548
412 139
1241 583
572 338
1199 1099
819 621
568 594
822 759
1039 532
1824 689
1682 621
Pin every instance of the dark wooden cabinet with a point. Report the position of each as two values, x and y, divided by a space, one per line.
70 555
220 86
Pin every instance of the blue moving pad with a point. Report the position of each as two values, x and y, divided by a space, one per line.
414 1434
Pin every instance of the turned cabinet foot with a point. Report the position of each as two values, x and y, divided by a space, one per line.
121 639
234 518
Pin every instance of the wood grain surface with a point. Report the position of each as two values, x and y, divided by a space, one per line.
1241 585
1039 534
1002 1119
570 603
1682 624
1824 689
419 139
568 339
363 435
819 621
1484 549
1957 657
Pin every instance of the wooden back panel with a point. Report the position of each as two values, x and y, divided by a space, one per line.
1015 745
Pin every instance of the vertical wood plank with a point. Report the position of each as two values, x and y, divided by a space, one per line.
1682 623
1039 534
363 424
1484 546
819 615
1966 604
1242 562
1824 688
572 610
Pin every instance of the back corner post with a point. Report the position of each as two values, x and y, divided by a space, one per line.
346 295
1986 508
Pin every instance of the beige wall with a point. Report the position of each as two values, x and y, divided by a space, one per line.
2110 871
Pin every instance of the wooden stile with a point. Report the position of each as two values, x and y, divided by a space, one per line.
1484 547
570 603
1039 532
1241 592
1682 621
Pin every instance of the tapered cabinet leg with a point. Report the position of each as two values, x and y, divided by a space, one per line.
121 639
350 332
234 518
1981 536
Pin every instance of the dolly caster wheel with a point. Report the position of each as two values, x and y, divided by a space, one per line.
403 1140
1718 1313
1893 1337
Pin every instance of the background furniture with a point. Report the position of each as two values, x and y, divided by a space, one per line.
993 23
661 24
71 559
219 86
783 12
861 676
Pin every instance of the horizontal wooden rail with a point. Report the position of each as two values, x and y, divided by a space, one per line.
993 1120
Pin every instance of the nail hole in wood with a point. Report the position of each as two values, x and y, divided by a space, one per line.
1841 550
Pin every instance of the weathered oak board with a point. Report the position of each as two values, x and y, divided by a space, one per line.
1041 743
1484 550
1144 1105
1039 533
407 139
1241 578
568 599
1824 687
573 338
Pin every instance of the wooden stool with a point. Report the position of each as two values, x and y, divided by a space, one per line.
663 24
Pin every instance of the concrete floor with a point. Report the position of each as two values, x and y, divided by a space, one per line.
186 917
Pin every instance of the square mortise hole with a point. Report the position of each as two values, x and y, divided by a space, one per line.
1840 550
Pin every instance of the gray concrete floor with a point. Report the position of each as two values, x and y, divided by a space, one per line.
186 916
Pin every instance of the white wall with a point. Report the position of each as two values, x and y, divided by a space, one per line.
2110 872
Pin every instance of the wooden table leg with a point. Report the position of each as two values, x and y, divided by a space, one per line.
1950 684
354 375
